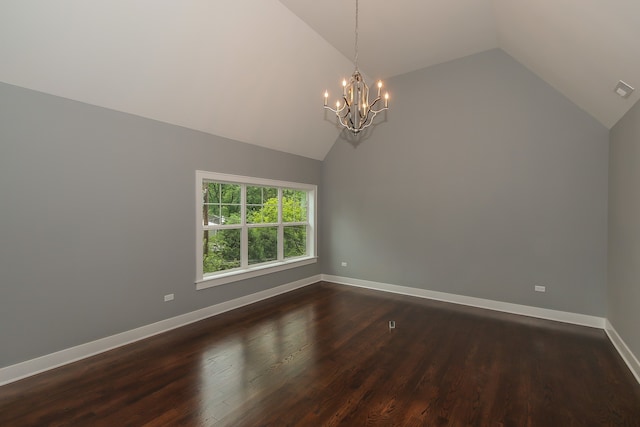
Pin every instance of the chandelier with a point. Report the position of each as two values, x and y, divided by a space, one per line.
355 112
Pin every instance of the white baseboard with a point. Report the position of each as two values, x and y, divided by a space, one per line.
629 358
561 316
63 357
50 361
524 310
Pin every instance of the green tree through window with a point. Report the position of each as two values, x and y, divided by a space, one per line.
222 208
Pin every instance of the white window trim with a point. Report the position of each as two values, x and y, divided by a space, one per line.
242 273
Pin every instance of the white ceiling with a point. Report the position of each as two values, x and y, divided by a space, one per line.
255 70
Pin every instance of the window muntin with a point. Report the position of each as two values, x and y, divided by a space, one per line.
262 205
248 226
221 202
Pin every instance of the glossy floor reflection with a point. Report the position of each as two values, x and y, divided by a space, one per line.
324 355
255 361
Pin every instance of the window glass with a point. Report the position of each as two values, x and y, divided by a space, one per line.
263 244
294 206
251 226
295 241
221 203
262 205
221 250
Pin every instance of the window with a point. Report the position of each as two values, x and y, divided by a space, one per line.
250 226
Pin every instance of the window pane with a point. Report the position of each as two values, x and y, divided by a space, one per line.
295 241
210 192
262 205
254 214
218 192
215 196
263 244
221 250
254 195
294 206
211 215
230 214
230 193
258 195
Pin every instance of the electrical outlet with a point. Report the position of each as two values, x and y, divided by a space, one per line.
344 263
539 288
168 297
392 324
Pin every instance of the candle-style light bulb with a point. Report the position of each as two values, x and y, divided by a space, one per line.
337 105
344 87
379 86
326 96
386 100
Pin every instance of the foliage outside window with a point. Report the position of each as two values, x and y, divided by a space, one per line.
249 226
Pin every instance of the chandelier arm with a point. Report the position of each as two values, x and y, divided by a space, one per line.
344 123
365 119
374 102
348 120
346 115
381 110
336 111
370 122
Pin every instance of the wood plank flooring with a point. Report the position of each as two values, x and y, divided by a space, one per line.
325 356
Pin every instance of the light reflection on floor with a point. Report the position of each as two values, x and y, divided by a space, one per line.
239 367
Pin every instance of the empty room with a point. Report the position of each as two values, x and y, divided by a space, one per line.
317 213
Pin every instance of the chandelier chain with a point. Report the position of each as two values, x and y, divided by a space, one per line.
356 47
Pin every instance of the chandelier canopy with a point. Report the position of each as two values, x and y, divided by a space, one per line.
355 112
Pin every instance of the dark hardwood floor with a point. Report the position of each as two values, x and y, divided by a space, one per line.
324 355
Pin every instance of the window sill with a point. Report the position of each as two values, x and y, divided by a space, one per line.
259 270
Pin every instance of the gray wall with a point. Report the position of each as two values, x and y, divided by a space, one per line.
484 182
97 220
624 229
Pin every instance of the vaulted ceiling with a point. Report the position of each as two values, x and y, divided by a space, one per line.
255 70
